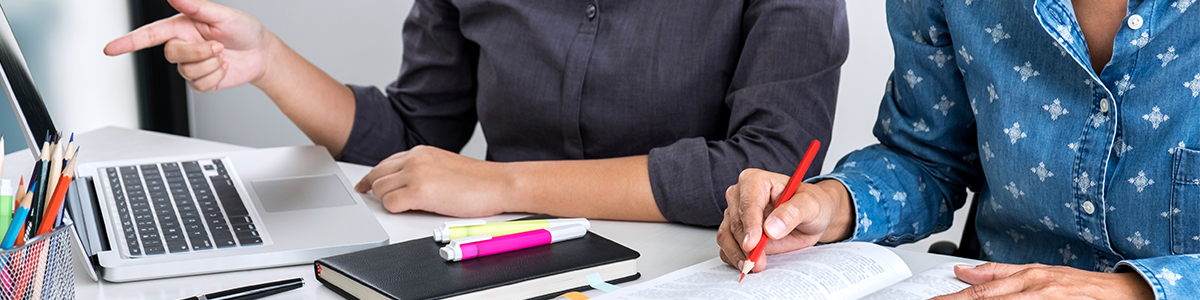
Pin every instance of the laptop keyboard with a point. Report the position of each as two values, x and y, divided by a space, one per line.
174 207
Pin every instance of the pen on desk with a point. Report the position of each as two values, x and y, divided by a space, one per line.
460 229
14 229
483 245
252 291
788 191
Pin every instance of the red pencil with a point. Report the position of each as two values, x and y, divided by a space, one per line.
788 191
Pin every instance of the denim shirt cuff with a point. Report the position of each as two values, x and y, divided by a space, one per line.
1164 274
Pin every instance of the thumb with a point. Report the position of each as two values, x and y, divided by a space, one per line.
986 272
800 211
202 10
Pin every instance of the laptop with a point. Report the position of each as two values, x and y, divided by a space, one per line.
169 216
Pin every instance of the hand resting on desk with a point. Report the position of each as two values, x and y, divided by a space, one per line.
1038 281
431 179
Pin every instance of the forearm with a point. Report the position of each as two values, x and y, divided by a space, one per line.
321 106
615 188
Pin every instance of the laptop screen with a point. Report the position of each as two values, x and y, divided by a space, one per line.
22 94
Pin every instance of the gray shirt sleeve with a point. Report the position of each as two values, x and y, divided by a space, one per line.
433 100
783 95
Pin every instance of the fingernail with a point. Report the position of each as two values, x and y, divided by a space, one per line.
965 266
775 227
740 264
746 240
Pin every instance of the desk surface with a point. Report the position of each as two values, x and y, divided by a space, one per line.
664 247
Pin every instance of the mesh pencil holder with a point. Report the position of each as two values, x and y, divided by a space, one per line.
42 268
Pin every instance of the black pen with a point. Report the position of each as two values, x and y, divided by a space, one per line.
253 291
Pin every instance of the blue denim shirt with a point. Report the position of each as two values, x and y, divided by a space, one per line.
1092 171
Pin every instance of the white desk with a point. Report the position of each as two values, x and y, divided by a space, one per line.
664 247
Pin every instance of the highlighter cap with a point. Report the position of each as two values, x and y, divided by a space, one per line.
442 234
450 253
6 188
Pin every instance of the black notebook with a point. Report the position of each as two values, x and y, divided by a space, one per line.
413 270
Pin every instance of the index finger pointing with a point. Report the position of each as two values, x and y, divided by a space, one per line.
151 35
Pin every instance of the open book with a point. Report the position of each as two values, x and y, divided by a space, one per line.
852 270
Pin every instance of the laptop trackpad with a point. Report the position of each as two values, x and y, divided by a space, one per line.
295 193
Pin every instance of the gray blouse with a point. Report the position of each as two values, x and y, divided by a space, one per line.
706 88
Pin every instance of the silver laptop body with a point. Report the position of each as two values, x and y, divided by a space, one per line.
171 216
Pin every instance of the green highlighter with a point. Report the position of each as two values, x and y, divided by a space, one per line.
6 205
466 228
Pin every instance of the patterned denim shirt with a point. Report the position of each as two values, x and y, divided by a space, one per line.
1073 168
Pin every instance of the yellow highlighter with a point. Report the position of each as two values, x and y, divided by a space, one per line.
466 228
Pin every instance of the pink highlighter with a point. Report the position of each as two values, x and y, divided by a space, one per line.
483 245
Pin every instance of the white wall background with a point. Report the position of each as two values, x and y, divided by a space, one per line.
359 42
62 42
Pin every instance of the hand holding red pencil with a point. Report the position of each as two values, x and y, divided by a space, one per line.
798 215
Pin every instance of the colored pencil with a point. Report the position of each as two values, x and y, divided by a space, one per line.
40 192
14 229
788 191
56 203
52 180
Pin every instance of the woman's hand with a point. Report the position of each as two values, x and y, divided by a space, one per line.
435 180
215 46
1037 281
816 213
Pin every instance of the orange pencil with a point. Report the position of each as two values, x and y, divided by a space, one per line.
55 205
788 191
56 202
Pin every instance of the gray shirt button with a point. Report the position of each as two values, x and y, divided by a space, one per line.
591 11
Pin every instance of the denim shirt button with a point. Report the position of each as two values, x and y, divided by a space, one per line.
1135 22
1104 105
1088 207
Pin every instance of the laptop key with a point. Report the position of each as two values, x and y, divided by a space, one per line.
229 197
192 219
217 221
180 246
173 237
243 228
201 244
224 240
190 166
134 249
247 233
152 250
250 240
153 242
238 220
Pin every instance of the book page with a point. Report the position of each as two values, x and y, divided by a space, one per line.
936 281
835 271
